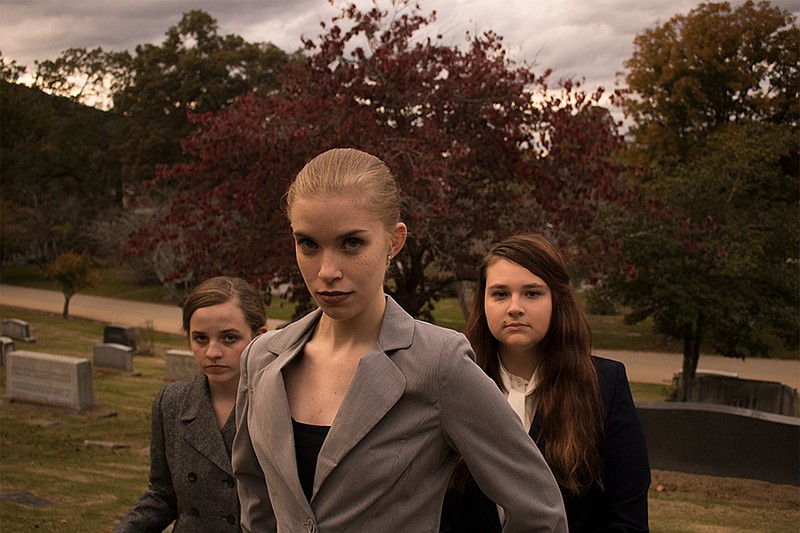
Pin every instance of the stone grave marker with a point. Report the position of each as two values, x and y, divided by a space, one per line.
120 334
6 346
49 379
17 329
112 356
180 364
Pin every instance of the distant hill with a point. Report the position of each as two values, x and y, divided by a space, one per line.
59 169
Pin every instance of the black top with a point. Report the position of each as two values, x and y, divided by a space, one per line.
308 441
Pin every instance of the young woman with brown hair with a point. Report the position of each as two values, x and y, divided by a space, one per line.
532 338
191 480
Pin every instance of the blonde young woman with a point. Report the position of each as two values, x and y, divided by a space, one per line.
191 480
351 418
532 338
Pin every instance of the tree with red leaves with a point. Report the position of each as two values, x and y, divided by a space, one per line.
481 148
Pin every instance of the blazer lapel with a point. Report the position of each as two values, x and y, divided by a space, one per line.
376 387
270 415
202 431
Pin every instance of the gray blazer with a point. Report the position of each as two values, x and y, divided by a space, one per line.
416 400
190 471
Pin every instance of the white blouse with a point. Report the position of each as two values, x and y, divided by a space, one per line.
519 393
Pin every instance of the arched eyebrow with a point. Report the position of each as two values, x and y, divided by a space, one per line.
352 233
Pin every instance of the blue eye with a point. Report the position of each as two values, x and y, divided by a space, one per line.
352 243
306 244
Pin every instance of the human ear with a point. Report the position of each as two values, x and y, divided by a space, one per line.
398 238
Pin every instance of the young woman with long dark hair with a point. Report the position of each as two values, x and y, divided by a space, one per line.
531 336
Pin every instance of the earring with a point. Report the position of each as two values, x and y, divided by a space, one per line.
388 261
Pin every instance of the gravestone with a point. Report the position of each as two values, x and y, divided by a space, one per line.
729 389
49 379
180 364
17 329
112 356
6 346
120 334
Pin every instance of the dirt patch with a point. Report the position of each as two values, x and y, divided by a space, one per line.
694 503
27 499
724 488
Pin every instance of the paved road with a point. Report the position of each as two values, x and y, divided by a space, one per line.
642 367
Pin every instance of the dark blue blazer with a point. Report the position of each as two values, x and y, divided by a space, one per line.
621 507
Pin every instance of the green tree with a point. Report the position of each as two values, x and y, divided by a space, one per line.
714 66
194 70
10 71
66 167
712 253
57 173
89 77
73 272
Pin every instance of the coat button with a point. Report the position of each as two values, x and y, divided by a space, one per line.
194 512
230 519
310 526
192 477
230 482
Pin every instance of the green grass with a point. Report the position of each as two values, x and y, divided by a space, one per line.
42 449
119 282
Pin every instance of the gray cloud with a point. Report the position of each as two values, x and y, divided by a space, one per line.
576 38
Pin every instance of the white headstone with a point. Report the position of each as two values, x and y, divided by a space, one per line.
180 364
6 346
17 329
113 356
49 379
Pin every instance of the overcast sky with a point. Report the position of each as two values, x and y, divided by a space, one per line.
576 38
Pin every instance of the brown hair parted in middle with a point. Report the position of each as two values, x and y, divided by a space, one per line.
568 397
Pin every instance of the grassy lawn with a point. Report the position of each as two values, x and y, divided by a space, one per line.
43 451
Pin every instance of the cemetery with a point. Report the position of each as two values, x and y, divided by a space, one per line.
756 433
115 431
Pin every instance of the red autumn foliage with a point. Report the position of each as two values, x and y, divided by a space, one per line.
481 148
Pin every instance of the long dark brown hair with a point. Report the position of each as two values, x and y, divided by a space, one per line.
569 405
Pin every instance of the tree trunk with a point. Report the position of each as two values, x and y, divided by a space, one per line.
68 291
65 312
692 338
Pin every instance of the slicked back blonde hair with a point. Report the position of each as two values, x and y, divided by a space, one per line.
347 171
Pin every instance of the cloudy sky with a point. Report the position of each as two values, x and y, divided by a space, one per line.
587 39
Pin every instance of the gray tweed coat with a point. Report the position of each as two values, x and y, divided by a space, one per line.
191 480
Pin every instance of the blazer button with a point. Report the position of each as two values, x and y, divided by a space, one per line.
230 482
310 526
192 477
194 512
230 519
